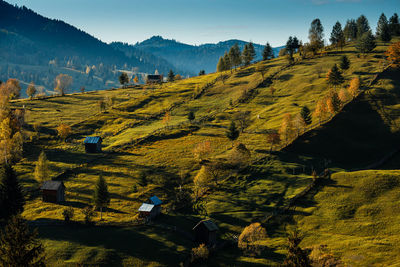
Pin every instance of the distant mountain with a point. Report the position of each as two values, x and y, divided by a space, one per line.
29 39
193 58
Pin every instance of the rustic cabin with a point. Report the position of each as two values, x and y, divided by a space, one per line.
157 204
53 191
93 144
154 79
147 211
206 232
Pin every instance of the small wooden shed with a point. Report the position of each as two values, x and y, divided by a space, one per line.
154 79
53 191
157 204
205 232
147 211
93 144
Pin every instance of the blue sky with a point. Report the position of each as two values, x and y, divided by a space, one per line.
207 21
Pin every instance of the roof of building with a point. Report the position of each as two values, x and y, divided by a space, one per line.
52 185
210 225
92 140
146 207
155 201
158 77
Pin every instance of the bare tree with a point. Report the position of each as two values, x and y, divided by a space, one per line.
62 83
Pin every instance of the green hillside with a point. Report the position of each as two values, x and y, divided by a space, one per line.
139 139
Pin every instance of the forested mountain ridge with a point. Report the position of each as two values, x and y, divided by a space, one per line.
193 58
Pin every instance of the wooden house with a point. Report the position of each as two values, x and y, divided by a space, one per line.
147 211
154 79
53 191
157 204
205 232
93 144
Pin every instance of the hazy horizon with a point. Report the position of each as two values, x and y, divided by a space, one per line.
194 22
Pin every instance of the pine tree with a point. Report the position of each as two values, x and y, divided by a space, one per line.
11 197
101 195
306 115
227 61
350 30
316 35
41 168
234 56
252 51
245 55
233 132
344 63
382 30
296 257
268 52
191 116
171 76
334 76
337 36
142 179
394 25
221 64
202 72
366 43
362 26
20 247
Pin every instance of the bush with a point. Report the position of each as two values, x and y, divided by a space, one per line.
89 214
200 253
68 214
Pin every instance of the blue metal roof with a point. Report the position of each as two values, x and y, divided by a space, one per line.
155 201
92 140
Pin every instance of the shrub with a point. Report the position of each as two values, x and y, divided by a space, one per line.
200 253
68 214
89 214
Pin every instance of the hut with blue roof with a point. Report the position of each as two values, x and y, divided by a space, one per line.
93 144
157 204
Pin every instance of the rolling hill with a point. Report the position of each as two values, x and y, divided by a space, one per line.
138 138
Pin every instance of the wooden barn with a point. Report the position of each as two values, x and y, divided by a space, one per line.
147 211
157 204
205 232
53 191
154 79
93 144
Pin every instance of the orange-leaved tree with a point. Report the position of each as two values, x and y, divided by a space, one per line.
393 54
286 130
354 87
63 131
249 239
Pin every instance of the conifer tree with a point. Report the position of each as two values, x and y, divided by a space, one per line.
171 76
306 115
142 179
394 25
362 26
350 30
20 247
11 197
337 37
41 168
101 195
252 51
227 61
268 52
334 76
191 116
382 30
366 43
221 64
233 132
296 257
234 56
344 63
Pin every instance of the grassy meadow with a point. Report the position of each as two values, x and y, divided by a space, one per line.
137 139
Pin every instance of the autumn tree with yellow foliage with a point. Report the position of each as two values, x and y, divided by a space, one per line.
202 181
393 54
249 239
287 128
202 150
63 131
354 87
